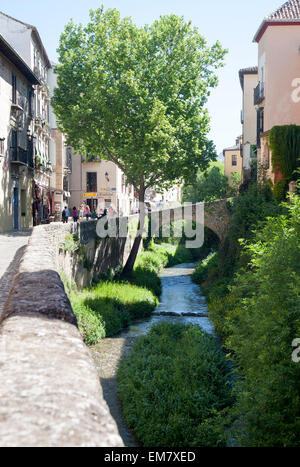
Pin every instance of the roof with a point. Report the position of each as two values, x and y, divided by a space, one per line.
233 148
37 36
288 13
247 71
290 10
14 58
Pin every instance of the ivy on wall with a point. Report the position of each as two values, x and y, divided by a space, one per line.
284 142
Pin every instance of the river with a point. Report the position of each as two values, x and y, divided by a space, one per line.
181 302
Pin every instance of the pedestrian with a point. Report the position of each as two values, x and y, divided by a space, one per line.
75 214
81 212
104 214
87 212
65 215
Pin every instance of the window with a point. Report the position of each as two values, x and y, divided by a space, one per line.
91 182
260 124
14 89
234 160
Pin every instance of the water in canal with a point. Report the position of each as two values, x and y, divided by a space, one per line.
181 302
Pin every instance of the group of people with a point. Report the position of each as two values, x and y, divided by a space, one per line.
84 212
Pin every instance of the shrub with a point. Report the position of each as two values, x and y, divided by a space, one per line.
90 323
71 243
264 322
174 387
207 269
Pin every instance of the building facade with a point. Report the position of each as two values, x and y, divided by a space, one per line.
17 83
277 95
25 39
233 162
249 80
60 158
100 184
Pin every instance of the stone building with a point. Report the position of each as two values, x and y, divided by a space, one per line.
25 39
16 139
277 94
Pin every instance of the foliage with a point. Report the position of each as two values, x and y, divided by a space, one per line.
137 95
259 320
174 387
208 186
247 211
106 308
111 305
206 269
280 190
90 322
284 142
71 243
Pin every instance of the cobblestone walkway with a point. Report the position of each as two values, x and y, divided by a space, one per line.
12 246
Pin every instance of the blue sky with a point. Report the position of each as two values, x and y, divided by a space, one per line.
233 22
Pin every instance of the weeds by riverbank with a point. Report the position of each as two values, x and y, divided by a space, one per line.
174 388
253 292
109 306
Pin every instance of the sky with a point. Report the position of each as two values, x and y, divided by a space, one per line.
232 22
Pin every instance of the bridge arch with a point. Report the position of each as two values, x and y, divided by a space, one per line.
214 215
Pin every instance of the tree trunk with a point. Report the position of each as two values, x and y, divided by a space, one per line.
128 268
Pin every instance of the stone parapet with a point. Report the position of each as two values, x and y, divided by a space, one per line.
49 390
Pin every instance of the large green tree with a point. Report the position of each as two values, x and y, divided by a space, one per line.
137 96
209 185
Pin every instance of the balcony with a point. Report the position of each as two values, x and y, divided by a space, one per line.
259 93
20 156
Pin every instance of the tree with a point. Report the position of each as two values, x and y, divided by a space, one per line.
209 185
136 96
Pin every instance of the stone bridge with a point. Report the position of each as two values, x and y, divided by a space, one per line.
213 215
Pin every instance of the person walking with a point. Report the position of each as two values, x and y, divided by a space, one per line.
87 212
81 212
65 215
75 214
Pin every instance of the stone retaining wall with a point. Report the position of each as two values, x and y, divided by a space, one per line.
49 390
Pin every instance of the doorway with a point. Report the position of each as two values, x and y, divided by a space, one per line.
16 209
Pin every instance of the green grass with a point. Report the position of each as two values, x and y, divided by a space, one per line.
174 388
109 306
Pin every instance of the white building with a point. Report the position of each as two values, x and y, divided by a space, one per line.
16 140
25 39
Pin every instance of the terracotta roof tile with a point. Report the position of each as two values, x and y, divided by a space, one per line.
289 11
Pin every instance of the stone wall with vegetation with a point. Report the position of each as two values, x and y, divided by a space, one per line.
81 256
49 390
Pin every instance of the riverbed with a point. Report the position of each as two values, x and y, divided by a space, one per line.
181 302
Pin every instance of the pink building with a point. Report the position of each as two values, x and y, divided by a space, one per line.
277 95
